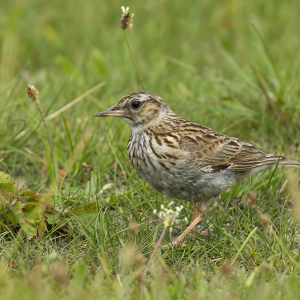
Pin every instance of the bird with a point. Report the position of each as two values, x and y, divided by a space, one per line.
182 159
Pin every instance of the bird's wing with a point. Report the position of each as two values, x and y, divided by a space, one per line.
215 152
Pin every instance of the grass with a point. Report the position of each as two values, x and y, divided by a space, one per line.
229 65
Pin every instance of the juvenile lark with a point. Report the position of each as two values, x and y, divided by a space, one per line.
182 159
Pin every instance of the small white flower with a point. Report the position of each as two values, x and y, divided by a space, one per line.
169 211
155 211
107 186
53 255
169 220
167 214
178 208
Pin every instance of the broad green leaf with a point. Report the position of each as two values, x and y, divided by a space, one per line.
27 225
29 197
17 213
6 182
20 184
5 196
34 215
87 213
12 218
90 207
54 218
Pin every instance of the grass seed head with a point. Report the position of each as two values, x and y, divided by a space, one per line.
133 228
226 269
128 254
264 220
251 199
59 274
293 185
139 259
126 19
87 168
160 274
32 92
266 268
138 276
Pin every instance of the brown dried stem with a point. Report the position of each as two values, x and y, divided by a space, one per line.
154 252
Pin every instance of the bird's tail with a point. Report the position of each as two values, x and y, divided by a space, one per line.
282 161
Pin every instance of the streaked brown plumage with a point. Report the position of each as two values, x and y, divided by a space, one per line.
182 159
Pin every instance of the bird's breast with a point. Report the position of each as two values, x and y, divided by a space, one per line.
150 158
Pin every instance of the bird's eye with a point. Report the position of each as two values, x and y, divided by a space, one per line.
136 104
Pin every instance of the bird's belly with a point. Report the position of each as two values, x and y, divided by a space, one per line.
194 188
176 180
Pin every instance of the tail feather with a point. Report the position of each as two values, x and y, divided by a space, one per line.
291 163
282 161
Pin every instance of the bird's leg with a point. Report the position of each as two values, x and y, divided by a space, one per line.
195 214
198 215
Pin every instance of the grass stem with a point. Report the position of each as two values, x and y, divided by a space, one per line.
154 252
49 139
134 62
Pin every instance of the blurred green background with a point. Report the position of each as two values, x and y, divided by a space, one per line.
196 55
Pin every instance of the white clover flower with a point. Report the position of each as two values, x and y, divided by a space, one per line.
168 214
169 220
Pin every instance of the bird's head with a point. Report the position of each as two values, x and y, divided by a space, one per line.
138 109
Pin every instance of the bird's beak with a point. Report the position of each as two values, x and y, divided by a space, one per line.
111 112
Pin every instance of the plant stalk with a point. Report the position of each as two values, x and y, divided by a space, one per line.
49 140
154 252
134 62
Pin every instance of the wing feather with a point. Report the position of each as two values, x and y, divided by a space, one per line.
215 152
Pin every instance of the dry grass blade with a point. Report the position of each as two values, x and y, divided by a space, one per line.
292 182
95 88
75 101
